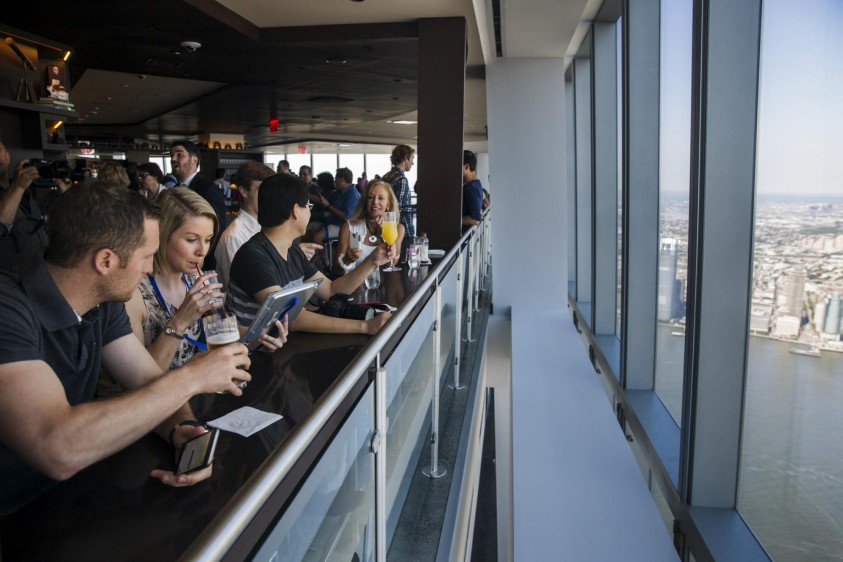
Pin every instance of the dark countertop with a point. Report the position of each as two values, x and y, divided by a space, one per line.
113 510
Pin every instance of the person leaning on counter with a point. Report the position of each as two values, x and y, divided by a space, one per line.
63 317
270 261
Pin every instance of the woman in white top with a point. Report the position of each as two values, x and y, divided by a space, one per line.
365 225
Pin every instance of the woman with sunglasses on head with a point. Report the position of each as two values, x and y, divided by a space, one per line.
364 225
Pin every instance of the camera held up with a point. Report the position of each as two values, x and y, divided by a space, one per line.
49 169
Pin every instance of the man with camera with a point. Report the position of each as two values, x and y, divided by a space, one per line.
22 231
270 261
64 318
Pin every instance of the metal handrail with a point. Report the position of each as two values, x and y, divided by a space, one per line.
219 536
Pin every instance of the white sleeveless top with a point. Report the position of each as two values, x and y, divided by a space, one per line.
360 229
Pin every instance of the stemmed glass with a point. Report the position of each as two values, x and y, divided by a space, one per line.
389 233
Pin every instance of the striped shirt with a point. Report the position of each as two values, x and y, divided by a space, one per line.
401 189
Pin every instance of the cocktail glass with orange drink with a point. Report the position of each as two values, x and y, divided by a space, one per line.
389 233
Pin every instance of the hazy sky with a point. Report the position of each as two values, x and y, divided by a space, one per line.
800 118
800 146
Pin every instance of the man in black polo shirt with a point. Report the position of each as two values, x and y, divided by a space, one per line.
63 317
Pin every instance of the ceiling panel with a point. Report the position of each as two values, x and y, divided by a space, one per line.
320 76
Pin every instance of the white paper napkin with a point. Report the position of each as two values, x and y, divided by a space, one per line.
246 421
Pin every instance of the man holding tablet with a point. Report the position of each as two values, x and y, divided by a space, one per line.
270 261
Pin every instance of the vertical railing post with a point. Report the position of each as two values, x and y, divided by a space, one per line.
477 272
489 242
484 238
458 320
434 471
378 447
487 249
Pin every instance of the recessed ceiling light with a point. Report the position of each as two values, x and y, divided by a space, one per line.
403 122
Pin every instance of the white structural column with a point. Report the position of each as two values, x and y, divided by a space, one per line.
641 196
605 188
583 172
525 101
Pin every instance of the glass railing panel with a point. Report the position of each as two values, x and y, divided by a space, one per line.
333 515
409 394
449 316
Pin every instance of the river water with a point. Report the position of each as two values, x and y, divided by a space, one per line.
791 485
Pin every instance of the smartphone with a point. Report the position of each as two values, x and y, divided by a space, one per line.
354 242
197 453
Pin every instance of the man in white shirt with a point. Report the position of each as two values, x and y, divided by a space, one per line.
249 178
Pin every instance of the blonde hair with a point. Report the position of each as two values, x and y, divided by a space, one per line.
113 173
177 204
361 213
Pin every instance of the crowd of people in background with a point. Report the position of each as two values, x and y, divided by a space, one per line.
133 259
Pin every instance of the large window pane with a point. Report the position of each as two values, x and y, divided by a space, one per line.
297 161
377 165
272 160
791 487
674 178
324 163
353 162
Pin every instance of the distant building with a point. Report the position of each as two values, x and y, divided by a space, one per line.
819 315
670 288
794 292
832 318
759 318
787 326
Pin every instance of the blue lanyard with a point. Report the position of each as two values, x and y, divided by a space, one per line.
197 344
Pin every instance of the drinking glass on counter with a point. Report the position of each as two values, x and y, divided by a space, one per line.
373 280
413 258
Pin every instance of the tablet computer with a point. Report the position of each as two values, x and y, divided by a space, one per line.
288 302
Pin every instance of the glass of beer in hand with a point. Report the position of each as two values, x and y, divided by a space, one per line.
220 330
389 233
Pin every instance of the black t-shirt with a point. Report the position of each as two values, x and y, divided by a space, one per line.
258 265
39 325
